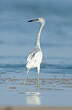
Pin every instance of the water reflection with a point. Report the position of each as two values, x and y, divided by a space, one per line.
33 98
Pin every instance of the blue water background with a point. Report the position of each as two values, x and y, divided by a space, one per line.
17 38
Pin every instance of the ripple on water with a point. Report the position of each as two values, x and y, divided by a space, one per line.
46 68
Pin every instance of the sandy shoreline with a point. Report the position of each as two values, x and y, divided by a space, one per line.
36 108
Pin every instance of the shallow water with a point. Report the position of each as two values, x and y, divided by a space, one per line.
17 38
54 89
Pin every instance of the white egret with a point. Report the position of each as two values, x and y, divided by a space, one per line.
35 57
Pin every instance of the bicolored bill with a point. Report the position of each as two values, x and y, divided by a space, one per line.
33 20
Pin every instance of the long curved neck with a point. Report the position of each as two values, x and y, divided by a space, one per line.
38 36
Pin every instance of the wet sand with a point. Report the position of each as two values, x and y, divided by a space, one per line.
36 108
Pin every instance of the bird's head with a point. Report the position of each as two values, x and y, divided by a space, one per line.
41 20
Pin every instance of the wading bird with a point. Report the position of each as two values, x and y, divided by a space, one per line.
35 57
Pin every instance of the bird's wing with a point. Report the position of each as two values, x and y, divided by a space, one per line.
32 54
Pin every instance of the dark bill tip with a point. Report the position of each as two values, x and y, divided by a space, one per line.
33 20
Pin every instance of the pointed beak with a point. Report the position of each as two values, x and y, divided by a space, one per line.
33 20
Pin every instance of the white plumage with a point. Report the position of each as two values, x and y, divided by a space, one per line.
35 57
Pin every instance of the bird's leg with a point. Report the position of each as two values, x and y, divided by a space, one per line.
26 76
38 69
